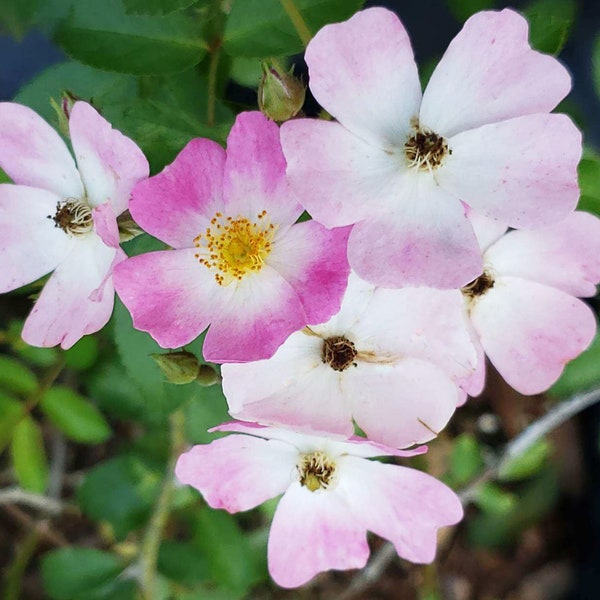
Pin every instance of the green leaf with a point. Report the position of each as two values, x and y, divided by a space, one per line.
491 498
120 491
29 456
83 354
4 178
108 92
532 502
103 35
75 573
155 7
16 377
232 562
465 459
580 374
589 182
74 415
463 9
262 28
527 464
550 23
16 16
182 562
11 412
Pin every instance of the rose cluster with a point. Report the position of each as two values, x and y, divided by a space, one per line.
443 230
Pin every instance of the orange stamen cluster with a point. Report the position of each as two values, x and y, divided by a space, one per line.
234 247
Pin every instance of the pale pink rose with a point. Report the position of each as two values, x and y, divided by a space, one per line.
60 216
332 495
389 361
397 162
240 263
524 308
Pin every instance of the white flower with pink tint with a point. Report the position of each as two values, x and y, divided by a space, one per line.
389 361
524 307
332 495
60 216
397 162
240 262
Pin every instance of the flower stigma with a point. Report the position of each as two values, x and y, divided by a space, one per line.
315 470
479 286
425 150
338 352
234 247
73 216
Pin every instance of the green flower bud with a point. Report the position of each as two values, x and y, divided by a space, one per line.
207 376
280 94
178 367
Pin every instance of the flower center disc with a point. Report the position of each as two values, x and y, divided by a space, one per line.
73 217
235 247
478 287
338 352
315 471
426 150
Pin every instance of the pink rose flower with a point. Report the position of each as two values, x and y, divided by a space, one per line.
331 497
240 262
397 162
389 361
524 308
61 217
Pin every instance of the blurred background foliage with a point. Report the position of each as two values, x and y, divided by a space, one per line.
88 506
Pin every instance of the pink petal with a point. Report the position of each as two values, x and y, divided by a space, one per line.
110 163
178 203
362 71
33 154
422 323
356 446
169 295
565 255
313 261
288 393
402 505
78 299
400 404
522 172
530 331
238 472
489 73
429 243
474 383
30 243
261 311
254 178
337 176
105 224
313 532
486 230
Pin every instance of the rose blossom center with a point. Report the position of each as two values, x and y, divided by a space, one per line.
73 216
338 352
478 287
425 150
315 471
234 247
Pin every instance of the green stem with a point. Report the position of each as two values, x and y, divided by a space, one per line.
14 574
212 85
297 21
159 518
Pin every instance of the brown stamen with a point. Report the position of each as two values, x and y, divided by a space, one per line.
338 352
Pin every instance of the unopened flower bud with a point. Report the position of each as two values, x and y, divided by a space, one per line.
178 367
207 376
63 110
280 94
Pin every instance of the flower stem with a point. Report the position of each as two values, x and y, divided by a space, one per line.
297 21
158 520
212 85
15 572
